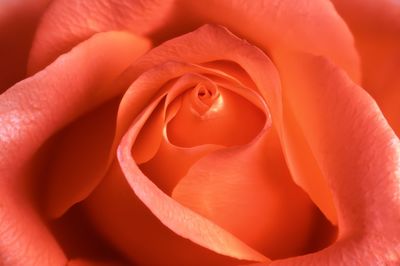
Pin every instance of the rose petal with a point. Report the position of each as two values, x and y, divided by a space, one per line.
79 159
18 21
315 28
137 232
30 112
68 22
86 262
184 222
235 115
376 28
251 183
24 239
358 153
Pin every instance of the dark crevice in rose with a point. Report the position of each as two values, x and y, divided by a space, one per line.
323 233
73 231
78 238
17 35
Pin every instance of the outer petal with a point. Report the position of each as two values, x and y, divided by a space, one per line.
318 29
376 28
30 112
18 21
311 26
358 153
68 22
24 239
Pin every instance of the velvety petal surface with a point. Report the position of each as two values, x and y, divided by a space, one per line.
244 185
72 85
18 22
376 28
358 153
181 220
137 232
310 26
69 22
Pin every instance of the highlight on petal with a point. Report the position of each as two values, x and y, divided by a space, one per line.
18 22
69 22
358 153
376 29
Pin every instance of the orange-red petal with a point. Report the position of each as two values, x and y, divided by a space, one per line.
358 153
18 22
69 22
34 109
376 29
285 24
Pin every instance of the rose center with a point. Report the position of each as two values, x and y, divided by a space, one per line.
208 111
205 99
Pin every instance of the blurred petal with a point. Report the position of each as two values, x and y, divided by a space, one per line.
69 22
376 28
358 153
18 22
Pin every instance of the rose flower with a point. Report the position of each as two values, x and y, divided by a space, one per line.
172 132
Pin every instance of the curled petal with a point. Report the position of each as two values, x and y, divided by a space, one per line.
181 220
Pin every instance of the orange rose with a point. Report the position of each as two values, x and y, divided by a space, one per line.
199 132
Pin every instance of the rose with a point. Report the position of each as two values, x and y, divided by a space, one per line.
336 132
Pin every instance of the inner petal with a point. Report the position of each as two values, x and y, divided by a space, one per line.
215 117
